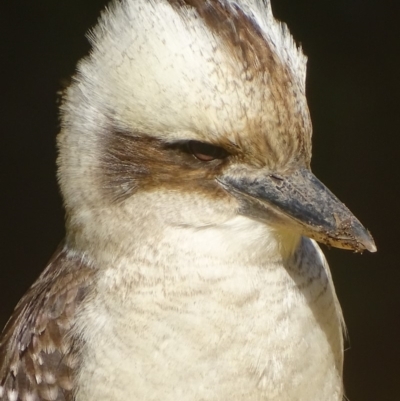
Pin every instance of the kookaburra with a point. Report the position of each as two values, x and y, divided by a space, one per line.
189 270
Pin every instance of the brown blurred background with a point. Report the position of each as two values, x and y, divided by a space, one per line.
353 90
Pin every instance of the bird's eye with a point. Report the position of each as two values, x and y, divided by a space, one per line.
206 152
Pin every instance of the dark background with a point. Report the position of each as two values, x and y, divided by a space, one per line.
353 90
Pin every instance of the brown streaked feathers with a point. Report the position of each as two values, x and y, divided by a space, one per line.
247 44
38 358
133 161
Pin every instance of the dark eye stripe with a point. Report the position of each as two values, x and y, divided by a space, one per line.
206 152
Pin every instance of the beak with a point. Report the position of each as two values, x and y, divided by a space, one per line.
301 201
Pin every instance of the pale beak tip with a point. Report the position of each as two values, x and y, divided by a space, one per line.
364 238
370 244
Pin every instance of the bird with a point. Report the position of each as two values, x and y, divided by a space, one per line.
190 269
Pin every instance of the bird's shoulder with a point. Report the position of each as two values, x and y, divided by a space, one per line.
37 351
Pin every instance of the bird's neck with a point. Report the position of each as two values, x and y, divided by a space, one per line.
189 299
154 248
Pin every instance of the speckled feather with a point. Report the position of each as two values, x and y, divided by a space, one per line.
38 356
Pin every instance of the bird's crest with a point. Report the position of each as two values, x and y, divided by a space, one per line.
224 70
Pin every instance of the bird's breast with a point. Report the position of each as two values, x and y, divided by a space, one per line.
245 332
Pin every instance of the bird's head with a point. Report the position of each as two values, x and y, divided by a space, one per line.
191 113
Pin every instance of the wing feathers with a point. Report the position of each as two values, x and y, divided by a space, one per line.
37 353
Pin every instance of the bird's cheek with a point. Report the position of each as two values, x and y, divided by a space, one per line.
196 208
